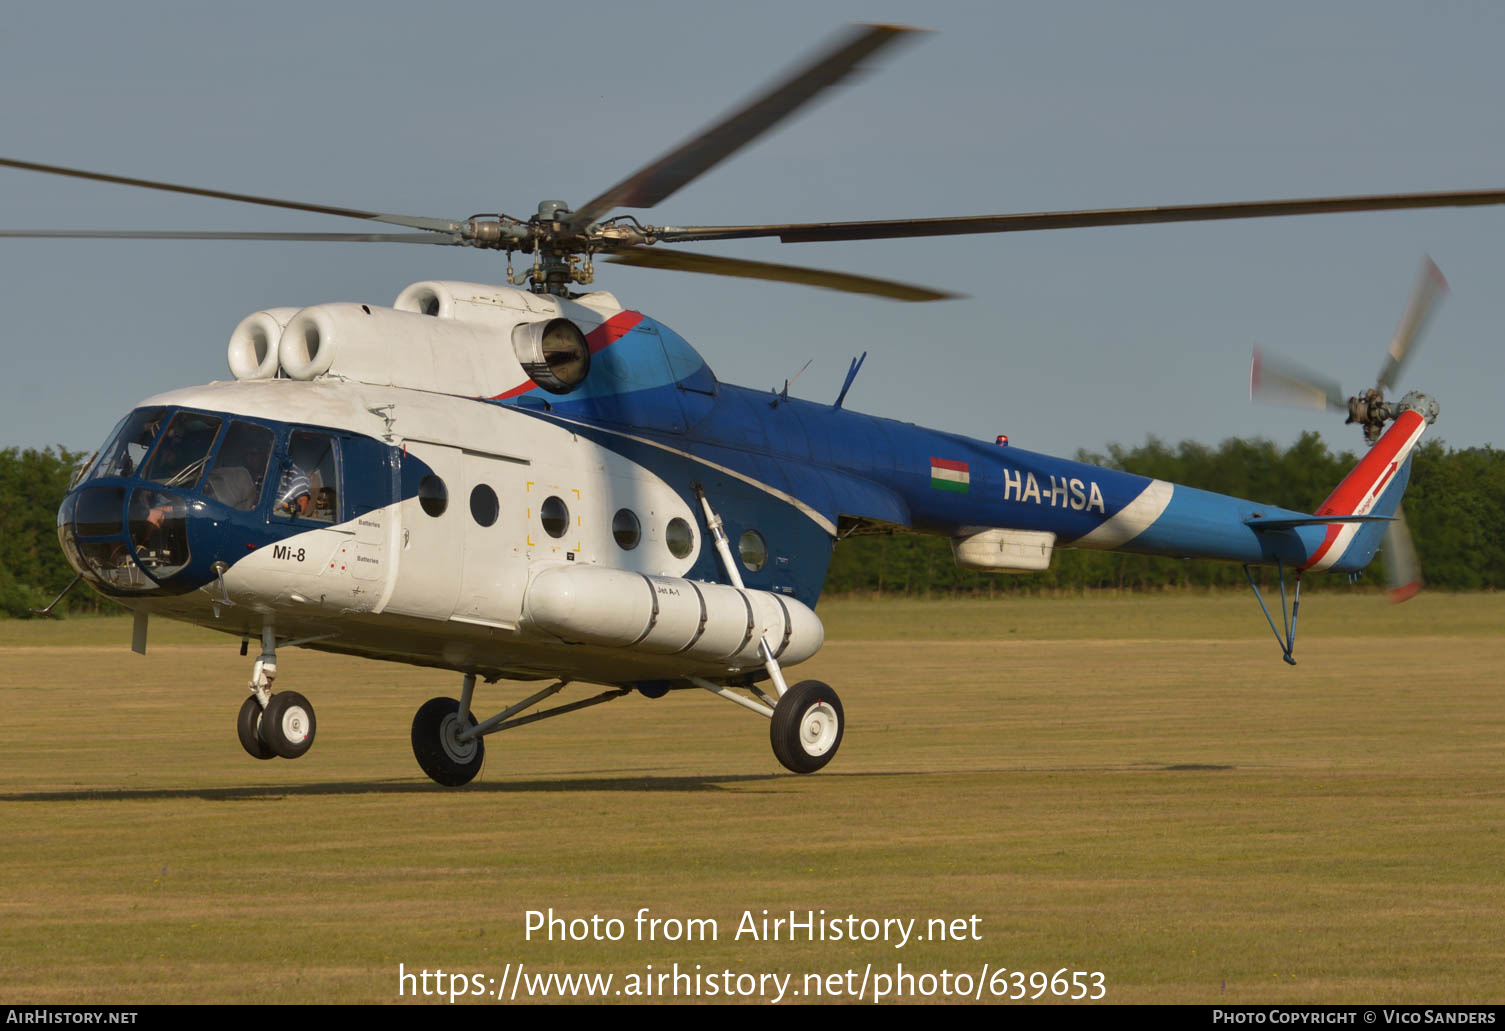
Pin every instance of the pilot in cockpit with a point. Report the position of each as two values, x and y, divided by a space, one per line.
134 450
294 494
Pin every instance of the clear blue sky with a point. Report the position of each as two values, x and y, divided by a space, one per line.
1067 339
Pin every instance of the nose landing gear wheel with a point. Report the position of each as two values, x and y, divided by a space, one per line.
287 725
807 726
248 729
437 745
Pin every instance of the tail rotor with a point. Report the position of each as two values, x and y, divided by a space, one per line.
1402 569
1280 381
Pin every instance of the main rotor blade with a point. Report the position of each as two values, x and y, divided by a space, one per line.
702 152
813 232
412 221
1402 567
185 234
1281 382
683 261
1430 286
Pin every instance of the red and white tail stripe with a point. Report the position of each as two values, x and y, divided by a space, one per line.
1360 489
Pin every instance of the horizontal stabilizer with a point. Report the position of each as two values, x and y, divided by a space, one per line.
1258 523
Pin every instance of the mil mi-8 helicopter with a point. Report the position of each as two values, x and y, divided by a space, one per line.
528 483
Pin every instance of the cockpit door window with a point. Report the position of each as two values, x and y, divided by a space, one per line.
240 468
309 487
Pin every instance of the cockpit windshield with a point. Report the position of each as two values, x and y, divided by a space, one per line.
184 448
128 445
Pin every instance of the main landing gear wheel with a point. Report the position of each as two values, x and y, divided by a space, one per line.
248 729
437 745
287 724
807 726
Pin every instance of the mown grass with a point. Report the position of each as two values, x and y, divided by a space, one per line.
1130 785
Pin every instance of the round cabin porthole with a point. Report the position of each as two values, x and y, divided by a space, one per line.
555 516
753 550
626 529
679 537
433 495
484 507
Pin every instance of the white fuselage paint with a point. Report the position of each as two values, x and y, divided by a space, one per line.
399 583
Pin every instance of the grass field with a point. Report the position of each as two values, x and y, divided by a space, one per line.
1131 785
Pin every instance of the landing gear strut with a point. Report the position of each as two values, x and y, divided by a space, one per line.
272 725
807 720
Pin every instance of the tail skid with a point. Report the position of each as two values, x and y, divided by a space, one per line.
1288 642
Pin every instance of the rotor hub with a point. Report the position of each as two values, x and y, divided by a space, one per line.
1371 411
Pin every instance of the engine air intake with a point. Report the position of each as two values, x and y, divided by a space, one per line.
554 354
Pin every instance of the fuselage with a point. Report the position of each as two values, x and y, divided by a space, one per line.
432 514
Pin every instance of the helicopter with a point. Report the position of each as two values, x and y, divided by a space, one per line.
530 483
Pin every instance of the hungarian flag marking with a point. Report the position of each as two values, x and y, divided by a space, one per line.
948 475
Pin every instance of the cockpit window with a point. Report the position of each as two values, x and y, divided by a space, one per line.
310 483
184 448
240 468
158 524
130 442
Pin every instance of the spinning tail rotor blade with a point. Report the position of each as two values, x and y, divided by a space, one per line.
1402 568
1281 382
1430 287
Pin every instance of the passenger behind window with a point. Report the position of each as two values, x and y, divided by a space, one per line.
308 489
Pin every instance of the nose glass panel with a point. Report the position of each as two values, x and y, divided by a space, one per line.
66 534
110 563
99 510
159 530
117 552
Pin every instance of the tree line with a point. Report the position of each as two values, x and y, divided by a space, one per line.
32 567
1455 506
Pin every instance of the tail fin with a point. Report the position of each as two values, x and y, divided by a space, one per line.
1374 487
